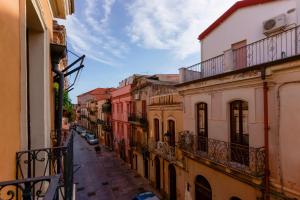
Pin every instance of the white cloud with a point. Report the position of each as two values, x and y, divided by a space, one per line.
89 33
172 24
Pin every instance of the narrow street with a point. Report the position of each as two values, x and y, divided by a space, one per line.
103 176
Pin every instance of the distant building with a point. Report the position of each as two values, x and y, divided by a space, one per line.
88 109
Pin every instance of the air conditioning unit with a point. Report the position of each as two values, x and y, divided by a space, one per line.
274 24
137 96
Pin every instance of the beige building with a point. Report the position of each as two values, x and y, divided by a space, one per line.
240 106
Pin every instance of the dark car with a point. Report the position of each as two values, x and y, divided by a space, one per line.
91 139
146 196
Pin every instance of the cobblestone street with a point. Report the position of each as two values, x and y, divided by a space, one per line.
103 176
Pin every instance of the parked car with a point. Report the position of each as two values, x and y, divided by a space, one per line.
79 129
146 196
83 133
91 139
88 134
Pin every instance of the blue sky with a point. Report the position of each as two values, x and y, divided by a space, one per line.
124 37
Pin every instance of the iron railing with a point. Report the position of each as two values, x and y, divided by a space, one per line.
272 48
45 188
163 149
246 159
48 162
140 118
107 126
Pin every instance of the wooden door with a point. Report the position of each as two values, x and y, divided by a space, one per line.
239 54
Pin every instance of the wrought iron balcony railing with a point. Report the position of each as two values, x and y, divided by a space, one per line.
40 164
139 118
107 127
163 149
273 48
249 160
45 188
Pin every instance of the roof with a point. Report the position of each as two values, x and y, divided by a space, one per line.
238 5
99 93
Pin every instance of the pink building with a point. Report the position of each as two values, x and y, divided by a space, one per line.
121 99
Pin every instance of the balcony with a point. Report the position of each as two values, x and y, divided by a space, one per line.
138 119
244 159
107 127
42 174
106 107
163 149
268 50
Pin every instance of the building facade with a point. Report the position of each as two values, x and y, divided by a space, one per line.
143 88
26 34
89 109
28 109
165 124
240 111
120 102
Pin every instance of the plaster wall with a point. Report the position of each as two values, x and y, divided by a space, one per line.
121 97
10 101
246 24
223 186
218 112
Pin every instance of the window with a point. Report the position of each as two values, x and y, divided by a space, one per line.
144 107
156 129
202 125
171 132
239 136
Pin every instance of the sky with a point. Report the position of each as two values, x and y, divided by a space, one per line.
125 37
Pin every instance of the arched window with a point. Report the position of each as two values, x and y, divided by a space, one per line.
239 135
202 189
156 129
202 126
171 132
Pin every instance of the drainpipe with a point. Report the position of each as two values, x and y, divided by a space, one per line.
57 53
60 101
266 136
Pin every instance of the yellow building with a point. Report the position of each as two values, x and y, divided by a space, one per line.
165 123
27 105
143 88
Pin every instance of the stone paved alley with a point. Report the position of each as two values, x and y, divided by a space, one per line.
104 176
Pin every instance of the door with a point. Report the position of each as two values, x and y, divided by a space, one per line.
239 137
202 189
202 125
146 168
239 50
172 182
171 130
157 173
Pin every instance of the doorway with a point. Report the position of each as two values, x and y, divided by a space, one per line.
157 173
202 189
172 182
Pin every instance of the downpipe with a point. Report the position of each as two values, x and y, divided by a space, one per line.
266 194
59 111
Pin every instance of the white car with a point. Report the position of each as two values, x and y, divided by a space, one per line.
83 133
